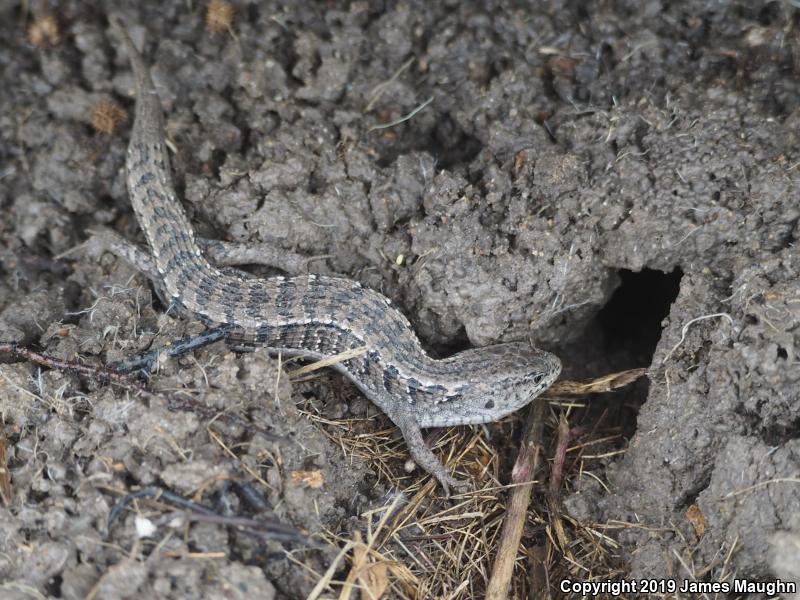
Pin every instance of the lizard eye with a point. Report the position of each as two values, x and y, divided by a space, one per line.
538 379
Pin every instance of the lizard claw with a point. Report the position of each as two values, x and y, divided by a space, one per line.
447 481
424 457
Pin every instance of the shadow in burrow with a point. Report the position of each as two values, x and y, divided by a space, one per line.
622 335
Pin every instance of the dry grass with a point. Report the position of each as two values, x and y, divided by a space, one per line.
420 545
219 16
106 117
423 546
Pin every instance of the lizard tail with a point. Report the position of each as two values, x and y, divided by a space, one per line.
148 106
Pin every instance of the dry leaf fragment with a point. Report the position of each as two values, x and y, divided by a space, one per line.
311 479
695 516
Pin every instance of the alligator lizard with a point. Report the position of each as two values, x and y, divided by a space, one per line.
316 316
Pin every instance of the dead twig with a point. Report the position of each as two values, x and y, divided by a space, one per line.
526 466
173 401
606 383
556 477
262 528
6 493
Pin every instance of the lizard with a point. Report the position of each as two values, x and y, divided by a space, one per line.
314 316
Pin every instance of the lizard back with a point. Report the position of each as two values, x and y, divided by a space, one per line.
318 316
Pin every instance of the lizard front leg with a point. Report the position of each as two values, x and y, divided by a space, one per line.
423 455
221 254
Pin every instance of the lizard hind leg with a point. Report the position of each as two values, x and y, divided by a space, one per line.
224 254
109 241
145 363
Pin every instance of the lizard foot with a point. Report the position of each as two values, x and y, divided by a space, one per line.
425 458
447 481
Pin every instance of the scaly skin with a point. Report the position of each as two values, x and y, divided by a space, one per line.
317 317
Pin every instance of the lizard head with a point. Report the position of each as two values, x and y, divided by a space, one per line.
497 381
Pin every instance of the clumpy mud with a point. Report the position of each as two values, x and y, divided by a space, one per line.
614 181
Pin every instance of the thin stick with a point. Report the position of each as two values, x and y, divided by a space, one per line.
102 374
6 493
174 402
519 498
606 383
327 362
